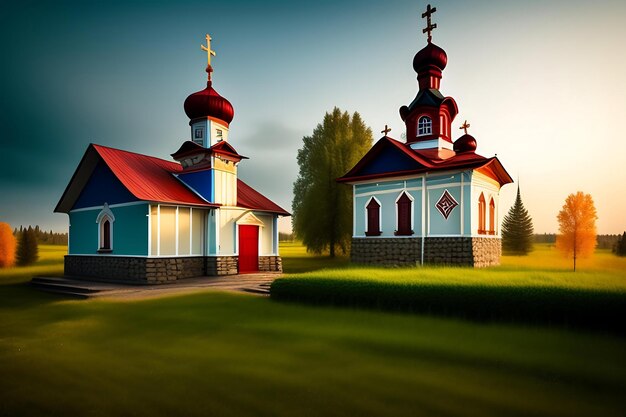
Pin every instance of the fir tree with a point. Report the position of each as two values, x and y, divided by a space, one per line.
517 229
27 250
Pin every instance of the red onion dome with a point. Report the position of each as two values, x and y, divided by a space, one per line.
465 143
430 55
208 103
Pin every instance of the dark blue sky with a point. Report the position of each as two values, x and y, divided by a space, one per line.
524 73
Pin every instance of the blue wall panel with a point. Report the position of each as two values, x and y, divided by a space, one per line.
201 182
103 187
130 231
83 232
379 186
439 225
388 212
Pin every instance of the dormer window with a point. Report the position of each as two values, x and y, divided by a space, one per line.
424 126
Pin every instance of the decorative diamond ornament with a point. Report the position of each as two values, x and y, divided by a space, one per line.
446 204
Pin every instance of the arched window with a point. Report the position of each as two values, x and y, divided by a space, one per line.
424 126
482 211
106 235
403 215
105 221
372 227
492 217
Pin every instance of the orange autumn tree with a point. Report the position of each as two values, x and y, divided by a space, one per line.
577 226
7 246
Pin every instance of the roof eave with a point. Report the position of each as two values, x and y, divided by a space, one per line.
73 189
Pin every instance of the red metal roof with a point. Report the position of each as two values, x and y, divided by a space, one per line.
425 162
151 179
248 197
148 178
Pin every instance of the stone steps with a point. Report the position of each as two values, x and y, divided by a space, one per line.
258 284
262 289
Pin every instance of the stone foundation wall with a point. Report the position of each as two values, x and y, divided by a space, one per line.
162 270
222 265
462 251
487 251
449 251
270 264
123 269
159 270
391 251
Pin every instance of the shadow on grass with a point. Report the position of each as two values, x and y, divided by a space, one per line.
19 295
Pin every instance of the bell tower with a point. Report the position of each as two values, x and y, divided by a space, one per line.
209 161
429 116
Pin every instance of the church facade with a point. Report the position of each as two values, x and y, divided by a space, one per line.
138 218
430 199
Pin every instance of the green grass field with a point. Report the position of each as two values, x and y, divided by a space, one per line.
541 289
224 354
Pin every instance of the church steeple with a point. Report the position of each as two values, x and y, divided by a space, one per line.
209 162
429 116
210 114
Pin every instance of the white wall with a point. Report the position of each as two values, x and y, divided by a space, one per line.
491 189
176 231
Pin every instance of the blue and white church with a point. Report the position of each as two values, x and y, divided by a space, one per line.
138 218
429 199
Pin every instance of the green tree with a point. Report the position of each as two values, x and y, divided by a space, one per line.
27 250
517 229
620 245
322 208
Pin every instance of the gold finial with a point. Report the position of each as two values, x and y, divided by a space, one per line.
465 126
429 27
386 130
208 49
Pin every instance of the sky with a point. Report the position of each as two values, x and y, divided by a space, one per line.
541 83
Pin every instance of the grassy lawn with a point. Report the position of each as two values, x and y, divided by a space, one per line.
224 354
545 267
541 288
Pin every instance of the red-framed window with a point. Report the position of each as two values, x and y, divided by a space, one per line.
482 214
492 217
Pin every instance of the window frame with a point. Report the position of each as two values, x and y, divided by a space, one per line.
482 214
492 216
105 217
367 232
411 214
424 126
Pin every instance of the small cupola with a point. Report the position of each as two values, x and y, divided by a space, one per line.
466 143
429 63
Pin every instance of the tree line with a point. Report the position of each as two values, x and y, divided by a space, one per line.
20 246
604 241
44 237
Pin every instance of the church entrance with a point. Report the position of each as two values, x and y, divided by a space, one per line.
248 249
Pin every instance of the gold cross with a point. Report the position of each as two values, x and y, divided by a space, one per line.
429 27
465 126
386 130
208 50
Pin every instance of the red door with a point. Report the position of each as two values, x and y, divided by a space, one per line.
248 249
